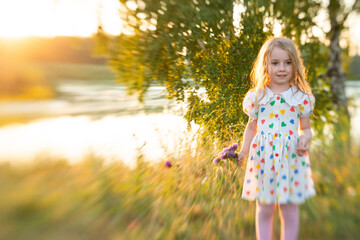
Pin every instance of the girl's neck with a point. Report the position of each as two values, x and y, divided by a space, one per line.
277 89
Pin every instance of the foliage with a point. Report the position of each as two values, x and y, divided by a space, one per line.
204 56
354 68
193 40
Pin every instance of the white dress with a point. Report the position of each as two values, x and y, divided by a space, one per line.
274 172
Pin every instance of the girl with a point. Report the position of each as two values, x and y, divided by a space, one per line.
278 168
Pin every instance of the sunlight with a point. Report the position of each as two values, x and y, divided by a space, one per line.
354 33
58 17
277 29
131 5
49 18
78 21
110 16
21 21
156 136
238 10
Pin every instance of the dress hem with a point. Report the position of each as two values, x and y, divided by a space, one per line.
300 201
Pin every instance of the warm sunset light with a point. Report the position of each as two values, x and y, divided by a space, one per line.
48 18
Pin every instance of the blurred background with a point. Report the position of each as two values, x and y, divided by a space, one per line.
55 76
83 139
56 86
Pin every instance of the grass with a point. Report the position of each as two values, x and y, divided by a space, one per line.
194 199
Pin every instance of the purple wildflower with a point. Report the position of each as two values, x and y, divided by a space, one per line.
168 164
216 160
222 155
231 154
234 146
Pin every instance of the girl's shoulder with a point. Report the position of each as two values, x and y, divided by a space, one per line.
298 97
305 101
249 104
255 95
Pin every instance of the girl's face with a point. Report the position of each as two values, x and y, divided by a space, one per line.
279 68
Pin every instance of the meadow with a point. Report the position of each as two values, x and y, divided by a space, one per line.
192 199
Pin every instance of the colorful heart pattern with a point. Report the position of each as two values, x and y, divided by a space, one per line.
274 172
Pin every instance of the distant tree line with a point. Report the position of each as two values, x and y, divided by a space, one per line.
29 65
58 49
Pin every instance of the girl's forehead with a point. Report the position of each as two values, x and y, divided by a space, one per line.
279 53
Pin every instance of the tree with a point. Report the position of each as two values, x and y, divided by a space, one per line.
192 46
338 14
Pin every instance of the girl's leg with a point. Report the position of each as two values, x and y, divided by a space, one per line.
264 220
289 215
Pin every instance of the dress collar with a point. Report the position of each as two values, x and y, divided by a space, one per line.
292 96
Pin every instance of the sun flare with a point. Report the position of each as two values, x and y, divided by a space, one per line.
49 18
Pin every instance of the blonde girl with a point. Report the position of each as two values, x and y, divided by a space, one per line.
277 138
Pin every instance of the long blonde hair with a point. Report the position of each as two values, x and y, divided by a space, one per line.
259 76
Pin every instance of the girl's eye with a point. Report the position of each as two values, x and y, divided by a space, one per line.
288 63
274 63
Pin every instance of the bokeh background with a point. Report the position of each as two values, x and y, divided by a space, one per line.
111 113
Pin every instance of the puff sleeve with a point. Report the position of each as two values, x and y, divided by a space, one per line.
306 105
249 105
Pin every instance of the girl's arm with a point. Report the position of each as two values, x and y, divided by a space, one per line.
248 136
305 136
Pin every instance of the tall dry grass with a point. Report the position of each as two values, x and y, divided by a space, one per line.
193 199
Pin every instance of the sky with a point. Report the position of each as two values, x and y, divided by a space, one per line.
49 18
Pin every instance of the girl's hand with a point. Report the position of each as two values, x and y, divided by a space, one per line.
303 145
240 159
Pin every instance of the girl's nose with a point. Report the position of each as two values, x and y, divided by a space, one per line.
282 67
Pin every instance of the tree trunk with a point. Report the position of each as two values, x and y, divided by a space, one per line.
342 127
337 77
335 70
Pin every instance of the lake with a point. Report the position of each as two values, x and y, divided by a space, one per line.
100 119
97 118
